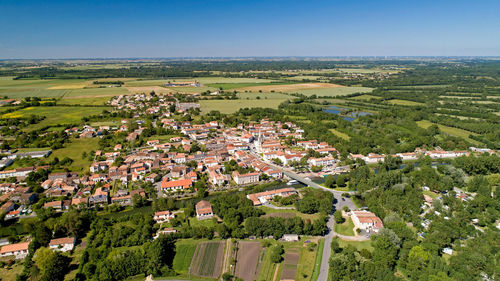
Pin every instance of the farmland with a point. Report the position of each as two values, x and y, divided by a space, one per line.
404 102
248 260
55 115
449 130
184 254
289 268
207 260
290 87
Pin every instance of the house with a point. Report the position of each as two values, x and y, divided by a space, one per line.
19 250
163 216
366 221
263 197
65 244
245 178
204 210
290 237
100 196
176 184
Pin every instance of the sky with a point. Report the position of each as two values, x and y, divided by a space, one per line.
185 28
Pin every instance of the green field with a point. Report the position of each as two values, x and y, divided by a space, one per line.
83 101
450 131
231 106
74 151
340 134
319 257
268 210
306 266
334 92
267 269
184 250
202 80
208 260
360 245
96 92
366 97
229 86
346 228
404 102
55 115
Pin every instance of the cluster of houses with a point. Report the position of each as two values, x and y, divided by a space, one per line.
21 250
438 153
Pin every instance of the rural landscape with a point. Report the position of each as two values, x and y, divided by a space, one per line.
249 140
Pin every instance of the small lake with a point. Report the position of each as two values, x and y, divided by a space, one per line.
348 117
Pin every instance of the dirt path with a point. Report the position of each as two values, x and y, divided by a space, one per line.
276 272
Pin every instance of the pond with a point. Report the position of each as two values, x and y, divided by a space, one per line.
348 117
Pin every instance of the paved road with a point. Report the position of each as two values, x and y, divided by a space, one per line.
340 202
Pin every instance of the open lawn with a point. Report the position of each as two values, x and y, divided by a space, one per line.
12 272
55 115
450 131
292 212
306 265
74 151
334 92
358 244
346 228
184 250
404 102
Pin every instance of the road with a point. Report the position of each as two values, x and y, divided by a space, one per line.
340 202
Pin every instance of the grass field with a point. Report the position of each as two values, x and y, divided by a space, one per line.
55 115
230 86
340 134
268 210
268 268
305 268
11 273
83 101
346 228
184 250
365 97
231 106
291 87
450 131
96 92
334 92
404 102
358 244
74 151
319 257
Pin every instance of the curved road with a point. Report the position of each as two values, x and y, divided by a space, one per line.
340 202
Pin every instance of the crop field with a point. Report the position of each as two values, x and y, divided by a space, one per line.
96 92
450 131
207 260
74 150
290 263
404 102
184 250
55 115
291 87
247 260
335 92
230 86
148 89
35 87
231 106
83 101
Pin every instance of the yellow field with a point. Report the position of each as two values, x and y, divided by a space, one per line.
404 102
340 134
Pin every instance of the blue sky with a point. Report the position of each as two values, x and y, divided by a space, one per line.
97 29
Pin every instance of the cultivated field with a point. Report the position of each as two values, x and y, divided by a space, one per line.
365 97
148 89
404 102
55 115
290 263
184 250
208 258
247 260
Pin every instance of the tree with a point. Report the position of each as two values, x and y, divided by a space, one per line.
338 217
276 254
52 264
341 181
330 181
